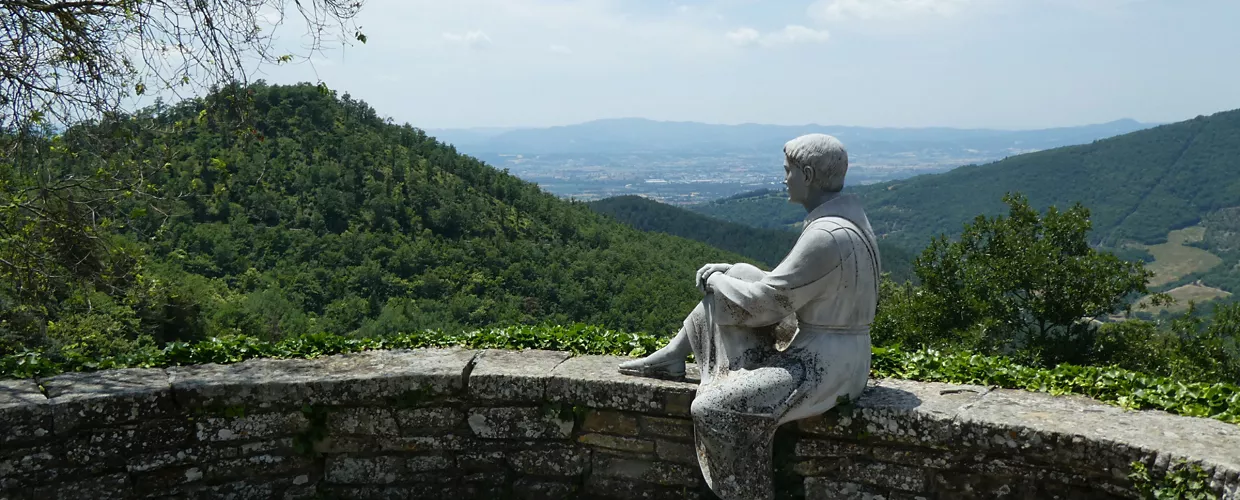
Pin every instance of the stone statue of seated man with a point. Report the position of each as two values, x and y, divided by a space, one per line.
781 345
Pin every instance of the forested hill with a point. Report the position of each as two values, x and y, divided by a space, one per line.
1138 186
764 247
325 217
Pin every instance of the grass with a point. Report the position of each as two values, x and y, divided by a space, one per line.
1174 259
1193 292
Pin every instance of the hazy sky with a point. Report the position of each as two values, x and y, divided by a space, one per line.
959 63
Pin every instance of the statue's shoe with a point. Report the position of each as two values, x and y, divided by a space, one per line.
670 370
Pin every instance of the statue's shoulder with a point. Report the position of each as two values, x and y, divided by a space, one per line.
830 222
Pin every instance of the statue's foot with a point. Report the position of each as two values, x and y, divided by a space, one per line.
668 368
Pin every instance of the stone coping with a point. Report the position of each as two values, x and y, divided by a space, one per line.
954 418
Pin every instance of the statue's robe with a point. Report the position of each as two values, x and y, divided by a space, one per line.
781 346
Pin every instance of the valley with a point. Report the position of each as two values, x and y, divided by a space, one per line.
686 163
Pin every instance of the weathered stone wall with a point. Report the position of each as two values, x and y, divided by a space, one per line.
456 424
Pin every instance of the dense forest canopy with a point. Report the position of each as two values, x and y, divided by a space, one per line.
323 216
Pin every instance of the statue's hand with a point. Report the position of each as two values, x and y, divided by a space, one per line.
704 273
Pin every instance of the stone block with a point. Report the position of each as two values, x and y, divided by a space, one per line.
475 460
916 413
829 448
598 486
349 492
246 489
366 421
365 470
109 397
552 462
629 444
826 489
675 451
520 423
114 446
302 487
116 485
935 459
594 382
1082 433
378 378
681 428
424 421
610 422
429 463
261 465
887 476
814 467
514 376
249 427
661 473
33 466
385 444
535 489
191 455
970 485
25 414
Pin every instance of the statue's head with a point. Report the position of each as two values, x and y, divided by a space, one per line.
814 164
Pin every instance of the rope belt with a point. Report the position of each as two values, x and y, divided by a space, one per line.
835 329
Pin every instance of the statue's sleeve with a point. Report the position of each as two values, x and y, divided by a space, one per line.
799 278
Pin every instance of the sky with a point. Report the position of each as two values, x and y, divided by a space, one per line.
1015 64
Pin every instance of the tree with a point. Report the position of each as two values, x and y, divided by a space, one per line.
1027 284
69 60
64 191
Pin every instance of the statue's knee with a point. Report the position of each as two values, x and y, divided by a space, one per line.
745 272
701 407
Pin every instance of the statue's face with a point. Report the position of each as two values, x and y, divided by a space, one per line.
796 181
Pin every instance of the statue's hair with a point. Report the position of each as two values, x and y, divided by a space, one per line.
822 153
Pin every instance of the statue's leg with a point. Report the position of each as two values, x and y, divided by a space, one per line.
734 421
669 362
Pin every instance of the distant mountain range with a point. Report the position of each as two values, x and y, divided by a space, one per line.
636 135
1138 186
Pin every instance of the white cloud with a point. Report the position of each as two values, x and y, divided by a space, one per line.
799 34
840 10
744 36
791 34
560 49
472 39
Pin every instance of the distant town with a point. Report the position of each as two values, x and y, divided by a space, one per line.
685 163
682 179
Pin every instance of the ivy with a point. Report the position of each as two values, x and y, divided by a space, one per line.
1124 388
1180 482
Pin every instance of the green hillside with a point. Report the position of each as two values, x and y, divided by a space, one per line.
324 218
764 247
1138 187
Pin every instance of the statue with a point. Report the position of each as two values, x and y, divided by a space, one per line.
783 345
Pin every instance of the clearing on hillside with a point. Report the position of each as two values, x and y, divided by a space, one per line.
1193 292
1174 259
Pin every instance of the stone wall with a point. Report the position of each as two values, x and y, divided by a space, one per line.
457 424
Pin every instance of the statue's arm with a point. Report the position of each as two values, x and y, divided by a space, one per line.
799 278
